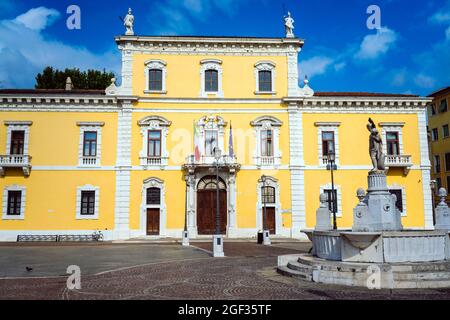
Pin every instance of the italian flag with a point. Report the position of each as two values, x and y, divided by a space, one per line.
196 143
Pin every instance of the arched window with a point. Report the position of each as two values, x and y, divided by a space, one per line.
153 196
268 195
211 81
155 80
210 183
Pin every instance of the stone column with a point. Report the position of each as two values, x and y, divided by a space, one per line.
442 212
123 170
425 166
232 225
192 223
297 170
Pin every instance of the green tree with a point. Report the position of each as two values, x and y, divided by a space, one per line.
51 78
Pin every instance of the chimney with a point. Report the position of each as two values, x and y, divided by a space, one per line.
69 85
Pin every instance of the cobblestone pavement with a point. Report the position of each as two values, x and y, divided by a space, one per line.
248 272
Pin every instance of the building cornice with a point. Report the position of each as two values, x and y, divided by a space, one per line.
209 45
363 102
48 99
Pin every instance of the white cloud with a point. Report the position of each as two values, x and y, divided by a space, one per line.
424 81
399 77
447 33
340 66
375 45
315 66
25 50
38 18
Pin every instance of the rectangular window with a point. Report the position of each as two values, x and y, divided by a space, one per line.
154 143
265 81
443 106
268 195
399 194
14 203
211 142
437 164
448 182
327 143
267 143
433 109
393 144
445 131
211 81
90 144
447 162
17 142
332 202
435 134
87 203
155 80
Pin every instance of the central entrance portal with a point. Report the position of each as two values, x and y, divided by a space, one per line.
206 205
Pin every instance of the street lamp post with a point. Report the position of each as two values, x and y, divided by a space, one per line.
217 239
185 231
331 157
433 190
266 232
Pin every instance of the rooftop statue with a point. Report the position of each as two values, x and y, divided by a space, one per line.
375 147
128 22
289 24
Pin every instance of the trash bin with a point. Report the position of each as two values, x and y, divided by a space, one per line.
260 237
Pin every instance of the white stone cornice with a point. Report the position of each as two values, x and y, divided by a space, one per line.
56 99
209 45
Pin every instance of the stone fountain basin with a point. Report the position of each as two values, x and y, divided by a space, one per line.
361 240
407 246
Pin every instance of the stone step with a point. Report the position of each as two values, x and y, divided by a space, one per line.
285 271
300 267
422 284
432 275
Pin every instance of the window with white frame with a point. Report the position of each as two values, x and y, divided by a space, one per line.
265 77
400 194
154 131
211 78
392 133
269 195
334 200
90 145
14 202
88 200
210 134
434 134
17 137
327 141
155 75
267 133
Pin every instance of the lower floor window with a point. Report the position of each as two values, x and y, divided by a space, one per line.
14 203
399 203
88 203
332 200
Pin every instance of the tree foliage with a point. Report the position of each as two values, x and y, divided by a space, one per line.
51 78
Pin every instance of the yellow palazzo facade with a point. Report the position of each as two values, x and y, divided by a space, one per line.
140 159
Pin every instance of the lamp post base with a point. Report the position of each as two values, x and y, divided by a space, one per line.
218 246
266 238
185 239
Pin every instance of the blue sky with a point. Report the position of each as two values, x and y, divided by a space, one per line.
409 54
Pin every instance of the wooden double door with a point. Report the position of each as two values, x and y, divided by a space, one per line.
153 217
206 211
271 220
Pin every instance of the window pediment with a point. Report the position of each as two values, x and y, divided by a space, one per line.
265 65
266 121
155 64
154 121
